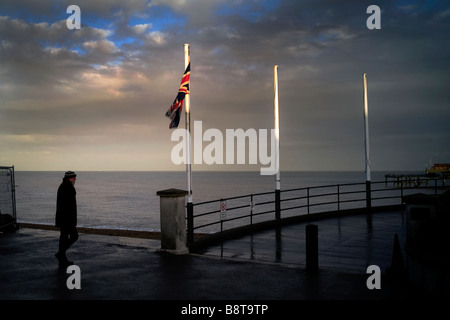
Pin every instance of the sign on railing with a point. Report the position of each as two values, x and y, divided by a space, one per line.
223 209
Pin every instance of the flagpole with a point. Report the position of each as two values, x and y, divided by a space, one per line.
188 129
277 142
366 142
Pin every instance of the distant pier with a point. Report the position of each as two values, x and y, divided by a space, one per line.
438 172
408 180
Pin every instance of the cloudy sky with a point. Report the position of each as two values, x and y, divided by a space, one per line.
95 98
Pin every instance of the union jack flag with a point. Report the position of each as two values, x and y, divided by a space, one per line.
174 112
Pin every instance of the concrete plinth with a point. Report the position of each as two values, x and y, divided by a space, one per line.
173 221
427 242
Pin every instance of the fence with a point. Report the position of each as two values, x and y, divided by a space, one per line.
217 216
7 197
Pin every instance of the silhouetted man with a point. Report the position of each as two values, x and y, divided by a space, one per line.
66 217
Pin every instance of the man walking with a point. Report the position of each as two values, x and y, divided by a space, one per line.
66 217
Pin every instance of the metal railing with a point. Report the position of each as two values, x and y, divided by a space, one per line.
7 197
218 215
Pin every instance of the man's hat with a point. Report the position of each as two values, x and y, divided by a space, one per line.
69 175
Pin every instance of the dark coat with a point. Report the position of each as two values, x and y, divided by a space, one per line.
66 206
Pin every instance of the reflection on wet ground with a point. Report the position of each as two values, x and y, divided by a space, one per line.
352 242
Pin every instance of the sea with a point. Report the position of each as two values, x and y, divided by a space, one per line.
128 200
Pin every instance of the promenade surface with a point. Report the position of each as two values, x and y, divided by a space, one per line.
269 265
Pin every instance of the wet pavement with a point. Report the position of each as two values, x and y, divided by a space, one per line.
349 243
267 266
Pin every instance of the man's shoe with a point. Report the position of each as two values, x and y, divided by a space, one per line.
65 264
62 260
60 257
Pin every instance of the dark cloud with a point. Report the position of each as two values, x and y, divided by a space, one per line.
113 79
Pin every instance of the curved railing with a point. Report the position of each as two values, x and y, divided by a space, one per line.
220 215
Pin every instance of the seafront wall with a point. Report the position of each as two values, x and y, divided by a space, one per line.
207 238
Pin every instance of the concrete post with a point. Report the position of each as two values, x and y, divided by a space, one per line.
312 248
173 220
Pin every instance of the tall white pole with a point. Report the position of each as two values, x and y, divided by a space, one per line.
366 145
277 144
366 128
188 128
277 128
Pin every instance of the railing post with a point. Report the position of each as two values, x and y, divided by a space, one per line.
307 199
190 222
401 194
368 195
277 205
251 209
338 199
